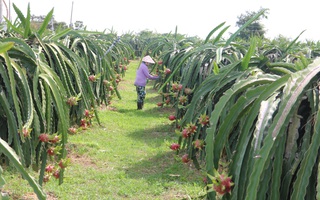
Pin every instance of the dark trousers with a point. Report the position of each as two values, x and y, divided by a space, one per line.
141 94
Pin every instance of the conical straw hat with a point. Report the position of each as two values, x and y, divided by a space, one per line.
148 59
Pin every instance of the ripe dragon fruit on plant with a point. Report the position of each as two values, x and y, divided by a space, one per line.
221 183
73 101
26 132
203 120
168 100
49 168
56 174
192 128
185 158
175 146
93 78
44 137
63 163
176 87
185 133
54 150
182 99
46 178
180 87
172 117
72 130
167 71
198 144
106 83
54 139
89 114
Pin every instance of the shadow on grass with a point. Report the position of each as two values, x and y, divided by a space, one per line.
165 167
146 112
155 135
157 165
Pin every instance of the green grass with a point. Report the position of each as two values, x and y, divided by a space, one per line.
127 157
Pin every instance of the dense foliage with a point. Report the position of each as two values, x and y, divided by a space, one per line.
256 28
247 111
50 84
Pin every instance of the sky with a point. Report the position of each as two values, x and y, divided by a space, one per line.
192 18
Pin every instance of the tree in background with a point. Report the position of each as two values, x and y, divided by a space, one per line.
255 28
78 25
36 22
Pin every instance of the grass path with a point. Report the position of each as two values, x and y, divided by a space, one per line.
127 157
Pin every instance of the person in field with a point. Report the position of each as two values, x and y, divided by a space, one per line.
141 80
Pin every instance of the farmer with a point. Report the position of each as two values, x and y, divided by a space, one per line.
141 79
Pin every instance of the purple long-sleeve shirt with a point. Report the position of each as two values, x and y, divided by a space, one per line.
142 75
